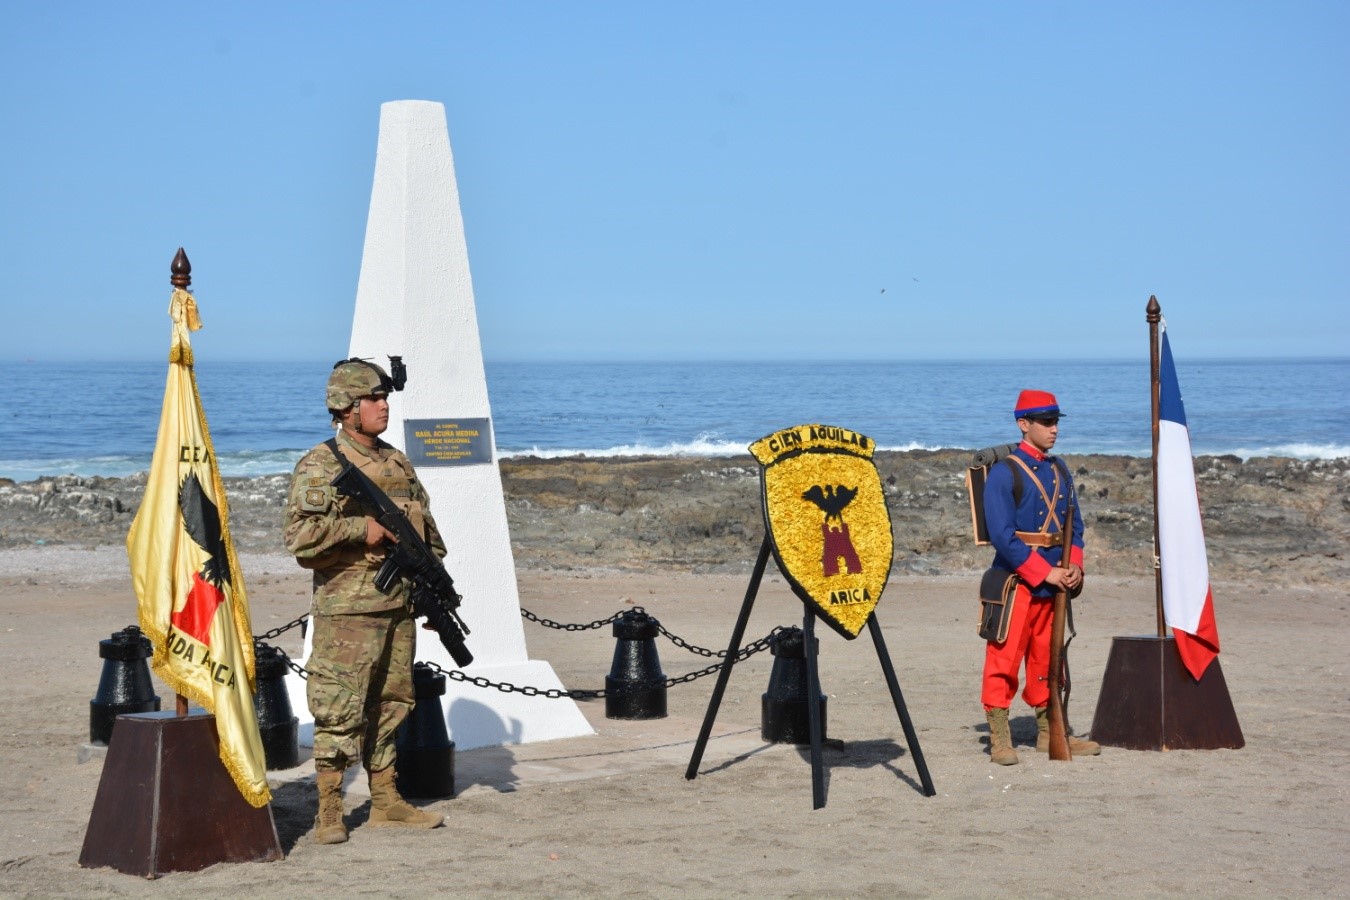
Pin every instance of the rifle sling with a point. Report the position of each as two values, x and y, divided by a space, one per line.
376 491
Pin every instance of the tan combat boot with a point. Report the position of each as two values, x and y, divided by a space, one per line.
1077 746
1001 751
328 825
388 808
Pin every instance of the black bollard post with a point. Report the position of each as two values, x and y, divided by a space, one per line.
784 715
635 664
124 687
279 729
425 762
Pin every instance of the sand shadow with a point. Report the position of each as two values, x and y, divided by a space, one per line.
492 763
294 806
879 753
1022 728
735 760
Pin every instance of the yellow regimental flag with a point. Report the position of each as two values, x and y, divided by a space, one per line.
188 584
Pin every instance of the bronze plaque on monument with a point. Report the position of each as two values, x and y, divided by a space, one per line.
448 442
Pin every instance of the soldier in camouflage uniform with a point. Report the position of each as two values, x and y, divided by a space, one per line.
360 683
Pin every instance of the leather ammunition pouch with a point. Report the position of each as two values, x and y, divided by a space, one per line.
998 592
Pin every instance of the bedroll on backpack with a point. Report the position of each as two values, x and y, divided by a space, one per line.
976 476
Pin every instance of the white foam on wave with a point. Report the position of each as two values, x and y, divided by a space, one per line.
703 445
250 463
105 466
912 445
1293 451
244 464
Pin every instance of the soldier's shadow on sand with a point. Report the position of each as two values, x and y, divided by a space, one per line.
294 806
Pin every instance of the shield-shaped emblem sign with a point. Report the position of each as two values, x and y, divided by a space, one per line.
826 514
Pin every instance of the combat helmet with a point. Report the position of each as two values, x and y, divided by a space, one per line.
353 379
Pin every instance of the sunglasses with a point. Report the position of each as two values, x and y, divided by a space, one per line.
1046 421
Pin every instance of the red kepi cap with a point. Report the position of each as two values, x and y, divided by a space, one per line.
1032 404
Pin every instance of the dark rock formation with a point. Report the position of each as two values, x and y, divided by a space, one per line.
1288 519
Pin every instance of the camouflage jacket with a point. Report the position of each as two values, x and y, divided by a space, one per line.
327 532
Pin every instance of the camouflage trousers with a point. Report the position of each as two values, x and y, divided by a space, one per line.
360 686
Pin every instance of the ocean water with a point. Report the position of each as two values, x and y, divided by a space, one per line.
100 418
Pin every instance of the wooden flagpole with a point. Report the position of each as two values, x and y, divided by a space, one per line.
1153 312
180 276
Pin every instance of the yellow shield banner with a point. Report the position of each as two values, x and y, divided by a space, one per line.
827 517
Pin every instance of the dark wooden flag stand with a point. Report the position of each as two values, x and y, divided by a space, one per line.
1148 699
812 689
166 803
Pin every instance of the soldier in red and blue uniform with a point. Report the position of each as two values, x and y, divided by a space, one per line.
1024 527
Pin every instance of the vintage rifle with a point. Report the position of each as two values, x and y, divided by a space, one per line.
1059 732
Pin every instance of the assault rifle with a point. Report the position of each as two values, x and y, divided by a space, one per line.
433 591
1059 729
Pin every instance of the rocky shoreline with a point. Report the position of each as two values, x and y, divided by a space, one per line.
699 514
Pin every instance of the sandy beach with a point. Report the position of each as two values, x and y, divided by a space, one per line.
612 814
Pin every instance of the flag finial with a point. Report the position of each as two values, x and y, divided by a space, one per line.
181 270
1154 309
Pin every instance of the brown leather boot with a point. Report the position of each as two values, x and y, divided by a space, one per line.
328 825
1077 746
1001 751
387 807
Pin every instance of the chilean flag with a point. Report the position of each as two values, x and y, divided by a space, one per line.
1188 604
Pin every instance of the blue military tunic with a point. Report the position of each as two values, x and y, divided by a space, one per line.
1004 520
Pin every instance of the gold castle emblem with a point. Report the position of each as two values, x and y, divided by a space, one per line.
827 518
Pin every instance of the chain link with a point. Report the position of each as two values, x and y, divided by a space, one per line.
280 629
665 632
692 648
292 664
262 639
572 626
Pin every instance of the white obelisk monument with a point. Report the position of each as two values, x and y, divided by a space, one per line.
415 300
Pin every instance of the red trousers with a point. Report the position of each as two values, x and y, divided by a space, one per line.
1028 639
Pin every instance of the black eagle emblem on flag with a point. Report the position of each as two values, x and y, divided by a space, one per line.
201 520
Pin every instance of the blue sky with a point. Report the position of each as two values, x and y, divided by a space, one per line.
693 180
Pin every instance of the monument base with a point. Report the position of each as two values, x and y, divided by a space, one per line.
486 717
1149 701
165 802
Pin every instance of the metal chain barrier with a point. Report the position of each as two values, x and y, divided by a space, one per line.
742 654
293 665
281 629
572 626
692 648
674 638
276 632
